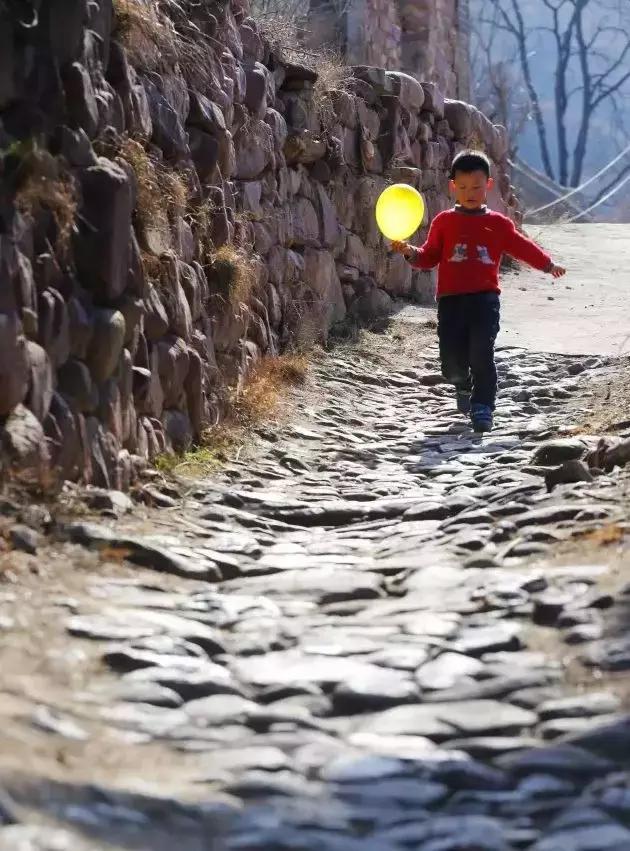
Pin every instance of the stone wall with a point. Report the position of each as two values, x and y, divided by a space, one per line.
425 38
142 174
435 44
374 34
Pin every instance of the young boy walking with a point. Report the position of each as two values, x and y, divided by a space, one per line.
466 243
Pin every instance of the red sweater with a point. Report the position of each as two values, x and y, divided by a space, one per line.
467 248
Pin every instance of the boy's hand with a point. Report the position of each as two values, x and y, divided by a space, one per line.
402 248
557 271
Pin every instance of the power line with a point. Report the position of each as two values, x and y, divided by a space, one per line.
530 174
608 195
583 185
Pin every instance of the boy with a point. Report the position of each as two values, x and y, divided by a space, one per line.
467 243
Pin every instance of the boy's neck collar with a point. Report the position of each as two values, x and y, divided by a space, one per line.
478 211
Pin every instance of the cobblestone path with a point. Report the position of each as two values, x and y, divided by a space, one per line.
382 633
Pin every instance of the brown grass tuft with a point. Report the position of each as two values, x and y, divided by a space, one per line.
200 219
306 321
161 35
232 274
606 535
175 191
332 73
148 35
259 400
260 397
43 185
162 192
281 30
149 201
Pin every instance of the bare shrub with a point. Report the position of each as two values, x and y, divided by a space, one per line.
284 24
232 274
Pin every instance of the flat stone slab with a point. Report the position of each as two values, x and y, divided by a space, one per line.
292 668
415 720
446 670
446 720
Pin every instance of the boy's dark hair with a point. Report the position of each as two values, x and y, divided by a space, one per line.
469 161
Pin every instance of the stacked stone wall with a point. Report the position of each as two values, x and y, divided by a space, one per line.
374 34
138 183
425 38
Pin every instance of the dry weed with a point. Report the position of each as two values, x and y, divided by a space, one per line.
152 266
332 75
57 194
606 535
282 31
162 193
260 397
148 35
232 274
200 219
175 192
306 320
257 401
287 39
149 202
159 35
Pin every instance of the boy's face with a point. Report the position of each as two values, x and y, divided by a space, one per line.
471 188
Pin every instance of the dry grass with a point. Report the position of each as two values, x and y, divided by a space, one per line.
259 400
333 75
604 536
261 395
200 220
218 445
149 202
281 30
232 274
148 35
174 190
286 37
160 35
306 321
162 192
40 192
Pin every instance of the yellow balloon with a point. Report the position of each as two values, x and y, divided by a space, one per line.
399 211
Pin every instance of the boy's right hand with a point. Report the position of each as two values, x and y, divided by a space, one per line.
402 248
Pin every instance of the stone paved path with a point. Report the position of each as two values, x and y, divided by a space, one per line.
380 633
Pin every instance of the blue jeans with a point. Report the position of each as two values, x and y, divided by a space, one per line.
467 328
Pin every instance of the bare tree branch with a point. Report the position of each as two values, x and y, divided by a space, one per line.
588 43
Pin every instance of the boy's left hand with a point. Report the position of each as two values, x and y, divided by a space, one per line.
557 271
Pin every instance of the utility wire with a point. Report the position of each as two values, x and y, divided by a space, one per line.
608 195
582 186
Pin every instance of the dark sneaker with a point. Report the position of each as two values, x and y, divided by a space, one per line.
481 416
463 401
